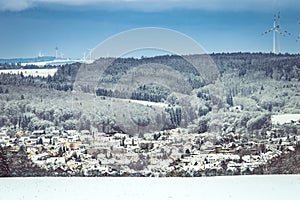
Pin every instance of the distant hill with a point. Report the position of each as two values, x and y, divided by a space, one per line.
37 62
256 83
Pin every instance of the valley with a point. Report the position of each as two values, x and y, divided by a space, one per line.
227 114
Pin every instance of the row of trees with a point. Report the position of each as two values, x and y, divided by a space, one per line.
278 67
154 93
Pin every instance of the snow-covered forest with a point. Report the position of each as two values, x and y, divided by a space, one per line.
257 84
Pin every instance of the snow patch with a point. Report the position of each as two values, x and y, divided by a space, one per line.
284 118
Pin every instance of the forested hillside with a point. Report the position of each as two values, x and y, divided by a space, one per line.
62 80
219 103
259 84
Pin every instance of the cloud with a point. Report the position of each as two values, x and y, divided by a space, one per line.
150 5
14 5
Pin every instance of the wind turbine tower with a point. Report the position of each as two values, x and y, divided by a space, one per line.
84 56
298 38
56 52
276 29
90 53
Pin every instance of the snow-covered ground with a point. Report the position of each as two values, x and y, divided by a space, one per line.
147 103
53 62
284 118
211 188
32 72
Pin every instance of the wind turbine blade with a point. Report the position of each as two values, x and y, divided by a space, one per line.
268 31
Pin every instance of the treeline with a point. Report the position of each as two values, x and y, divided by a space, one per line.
29 66
175 117
17 164
153 92
276 66
36 115
120 66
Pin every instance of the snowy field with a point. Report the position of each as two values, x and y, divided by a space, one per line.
54 62
275 187
284 118
32 72
146 103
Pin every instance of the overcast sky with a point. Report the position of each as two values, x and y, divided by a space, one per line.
32 26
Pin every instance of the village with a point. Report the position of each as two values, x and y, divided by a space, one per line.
175 152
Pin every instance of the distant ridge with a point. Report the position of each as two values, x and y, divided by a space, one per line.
40 61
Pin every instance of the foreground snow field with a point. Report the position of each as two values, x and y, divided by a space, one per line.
211 188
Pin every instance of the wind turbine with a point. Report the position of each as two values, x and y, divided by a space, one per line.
90 53
276 29
84 56
298 38
87 57
56 52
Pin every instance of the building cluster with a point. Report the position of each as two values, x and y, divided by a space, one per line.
175 152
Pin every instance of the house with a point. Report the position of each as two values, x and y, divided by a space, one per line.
261 148
24 139
38 132
119 136
71 132
85 132
2 134
73 165
48 135
21 133
32 150
55 132
4 130
73 138
72 145
15 149
85 138
119 150
56 161
4 139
